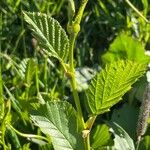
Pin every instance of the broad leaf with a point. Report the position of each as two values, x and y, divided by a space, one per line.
126 117
108 86
49 34
122 140
58 120
125 47
100 136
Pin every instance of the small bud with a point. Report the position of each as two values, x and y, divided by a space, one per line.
73 29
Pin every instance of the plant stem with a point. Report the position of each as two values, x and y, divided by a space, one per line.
86 133
71 49
87 142
77 101
75 28
80 12
73 82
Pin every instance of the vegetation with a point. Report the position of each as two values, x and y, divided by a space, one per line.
74 74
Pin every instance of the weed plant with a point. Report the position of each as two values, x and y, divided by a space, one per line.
73 75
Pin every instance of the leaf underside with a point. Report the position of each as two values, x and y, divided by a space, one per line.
108 86
122 140
50 35
58 120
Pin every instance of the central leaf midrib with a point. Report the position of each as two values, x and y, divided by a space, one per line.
59 129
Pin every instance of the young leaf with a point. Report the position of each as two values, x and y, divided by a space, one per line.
49 34
100 136
108 86
58 120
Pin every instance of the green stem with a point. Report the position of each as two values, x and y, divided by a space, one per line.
80 12
77 102
73 82
27 135
86 133
75 27
73 30
136 10
87 142
71 50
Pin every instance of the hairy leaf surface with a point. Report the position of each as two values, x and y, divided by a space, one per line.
50 35
58 119
108 86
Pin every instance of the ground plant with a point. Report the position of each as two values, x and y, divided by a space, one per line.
74 75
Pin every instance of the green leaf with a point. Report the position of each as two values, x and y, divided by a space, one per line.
15 104
100 136
126 117
30 71
108 86
46 147
125 47
22 66
49 34
58 120
122 140
13 138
